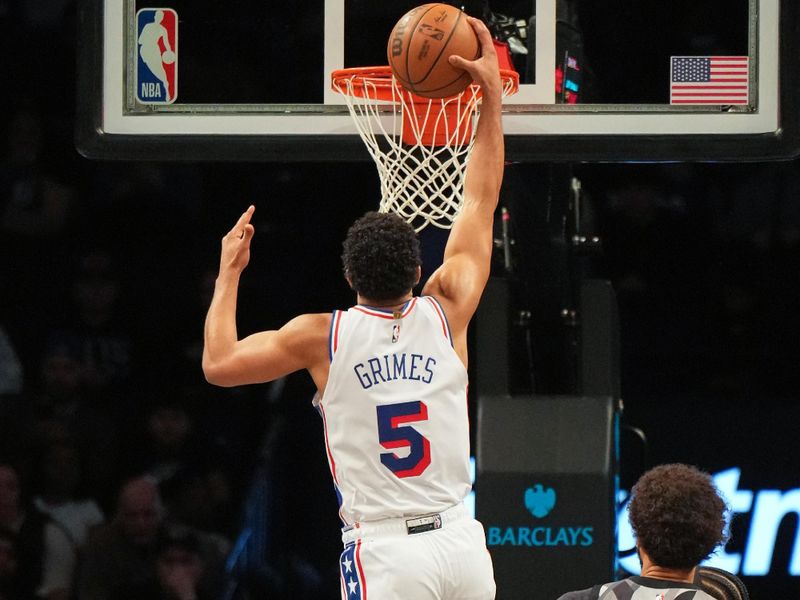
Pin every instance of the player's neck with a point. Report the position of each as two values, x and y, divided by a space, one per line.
656 572
384 304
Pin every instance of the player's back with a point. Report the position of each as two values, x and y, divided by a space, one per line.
395 412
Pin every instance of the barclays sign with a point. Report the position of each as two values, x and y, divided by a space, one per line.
539 536
546 492
540 501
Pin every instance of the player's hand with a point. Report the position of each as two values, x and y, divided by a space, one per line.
485 70
236 244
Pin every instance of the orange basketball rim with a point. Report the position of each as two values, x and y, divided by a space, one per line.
420 145
425 121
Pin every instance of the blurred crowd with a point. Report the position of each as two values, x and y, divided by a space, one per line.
703 258
122 473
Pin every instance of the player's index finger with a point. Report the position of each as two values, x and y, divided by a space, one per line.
245 218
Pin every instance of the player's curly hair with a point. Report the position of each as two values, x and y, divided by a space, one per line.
381 255
677 515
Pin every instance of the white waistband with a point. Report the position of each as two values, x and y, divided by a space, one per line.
404 525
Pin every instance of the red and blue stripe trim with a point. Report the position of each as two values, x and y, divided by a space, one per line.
384 313
442 317
331 462
333 334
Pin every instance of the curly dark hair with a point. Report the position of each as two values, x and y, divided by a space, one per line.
677 515
381 255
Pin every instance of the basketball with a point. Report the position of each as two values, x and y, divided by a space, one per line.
421 43
168 57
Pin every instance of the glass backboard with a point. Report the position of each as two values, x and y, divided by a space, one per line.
250 80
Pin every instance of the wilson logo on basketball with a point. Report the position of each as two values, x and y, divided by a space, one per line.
397 38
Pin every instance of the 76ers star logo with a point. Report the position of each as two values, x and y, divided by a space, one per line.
156 55
352 575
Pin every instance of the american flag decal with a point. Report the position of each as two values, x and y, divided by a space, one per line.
709 80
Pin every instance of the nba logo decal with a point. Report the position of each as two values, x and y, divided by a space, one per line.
156 55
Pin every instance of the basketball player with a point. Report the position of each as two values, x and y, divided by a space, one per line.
392 380
678 517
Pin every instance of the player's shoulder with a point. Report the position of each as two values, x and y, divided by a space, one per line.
307 335
441 288
432 304
309 324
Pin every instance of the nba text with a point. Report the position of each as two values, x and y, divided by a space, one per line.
151 91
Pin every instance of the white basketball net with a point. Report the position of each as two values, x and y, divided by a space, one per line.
421 146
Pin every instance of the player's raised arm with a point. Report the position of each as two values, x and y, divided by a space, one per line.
460 281
264 356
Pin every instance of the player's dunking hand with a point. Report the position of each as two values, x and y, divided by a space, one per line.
236 244
484 70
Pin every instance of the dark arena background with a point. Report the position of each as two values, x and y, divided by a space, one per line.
652 305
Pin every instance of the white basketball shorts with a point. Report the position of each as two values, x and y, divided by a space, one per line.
441 556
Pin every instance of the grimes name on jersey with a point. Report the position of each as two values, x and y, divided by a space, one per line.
391 367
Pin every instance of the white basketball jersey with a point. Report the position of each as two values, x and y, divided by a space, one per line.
395 412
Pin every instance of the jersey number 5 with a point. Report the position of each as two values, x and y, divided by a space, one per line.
394 433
